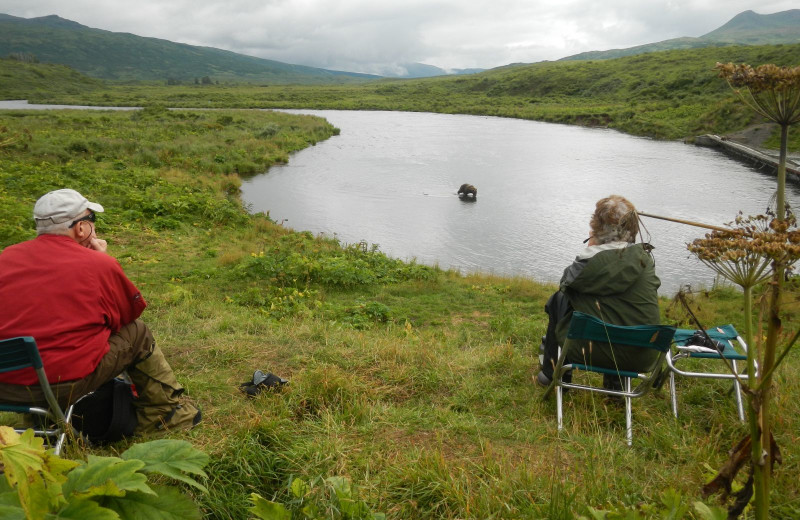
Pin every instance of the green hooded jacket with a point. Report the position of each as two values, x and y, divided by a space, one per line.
617 284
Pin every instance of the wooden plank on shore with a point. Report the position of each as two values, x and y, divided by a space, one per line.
745 152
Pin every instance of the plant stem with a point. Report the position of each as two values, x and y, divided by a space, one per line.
768 361
781 209
767 366
753 401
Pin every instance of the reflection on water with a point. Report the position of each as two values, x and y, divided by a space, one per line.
391 178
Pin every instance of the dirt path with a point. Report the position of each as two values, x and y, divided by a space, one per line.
753 136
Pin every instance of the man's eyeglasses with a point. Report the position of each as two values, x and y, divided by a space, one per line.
88 218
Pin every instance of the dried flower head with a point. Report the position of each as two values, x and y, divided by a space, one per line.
744 253
772 91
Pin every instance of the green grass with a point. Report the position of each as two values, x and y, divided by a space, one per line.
667 95
20 80
415 383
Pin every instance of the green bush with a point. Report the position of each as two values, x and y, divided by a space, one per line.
270 130
364 314
40 485
332 498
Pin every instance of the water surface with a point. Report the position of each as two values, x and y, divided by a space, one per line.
390 178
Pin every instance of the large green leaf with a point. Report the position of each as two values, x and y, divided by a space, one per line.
39 497
26 466
10 508
20 455
168 504
12 513
267 510
84 510
709 513
299 488
105 476
172 458
341 486
58 467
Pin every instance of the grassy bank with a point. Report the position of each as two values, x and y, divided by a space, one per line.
669 95
412 382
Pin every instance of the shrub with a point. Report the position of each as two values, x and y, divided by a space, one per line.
269 130
331 498
364 314
40 485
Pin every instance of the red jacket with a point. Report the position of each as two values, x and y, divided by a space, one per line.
69 298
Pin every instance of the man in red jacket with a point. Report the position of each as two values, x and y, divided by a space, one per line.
75 300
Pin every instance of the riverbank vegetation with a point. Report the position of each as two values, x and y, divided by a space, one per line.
412 383
668 95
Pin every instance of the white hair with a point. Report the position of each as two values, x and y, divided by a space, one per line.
44 227
614 219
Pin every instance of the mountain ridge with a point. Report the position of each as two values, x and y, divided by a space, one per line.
124 56
746 28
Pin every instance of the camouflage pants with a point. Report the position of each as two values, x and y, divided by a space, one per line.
132 350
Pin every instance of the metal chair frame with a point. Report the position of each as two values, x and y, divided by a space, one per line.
586 327
726 334
19 353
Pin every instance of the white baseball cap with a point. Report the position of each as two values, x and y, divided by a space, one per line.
62 205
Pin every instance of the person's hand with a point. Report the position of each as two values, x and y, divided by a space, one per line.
92 242
98 244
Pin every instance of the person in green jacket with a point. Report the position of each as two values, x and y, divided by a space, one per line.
613 279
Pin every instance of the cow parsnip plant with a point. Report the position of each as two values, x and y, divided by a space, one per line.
774 93
39 485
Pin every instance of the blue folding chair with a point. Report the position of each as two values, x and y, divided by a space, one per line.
22 352
586 327
726 335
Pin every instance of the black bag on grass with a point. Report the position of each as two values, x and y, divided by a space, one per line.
107 414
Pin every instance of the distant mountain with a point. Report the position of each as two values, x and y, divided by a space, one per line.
123 56
422 70
746 28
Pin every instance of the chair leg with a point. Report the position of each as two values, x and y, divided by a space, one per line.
559 412
66 427
628 413
673 394
737 390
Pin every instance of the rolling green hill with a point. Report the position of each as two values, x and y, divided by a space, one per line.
746 28
20 80
123 56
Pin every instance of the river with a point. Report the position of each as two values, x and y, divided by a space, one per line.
391 178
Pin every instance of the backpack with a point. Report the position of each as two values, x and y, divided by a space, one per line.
107 414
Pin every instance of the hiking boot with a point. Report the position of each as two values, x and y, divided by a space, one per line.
613 383
542 380
182 416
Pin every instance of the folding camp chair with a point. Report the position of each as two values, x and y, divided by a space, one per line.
724 334
586 327
22 352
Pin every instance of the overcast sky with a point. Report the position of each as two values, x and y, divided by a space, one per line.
376 35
